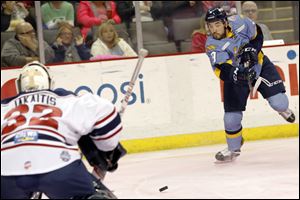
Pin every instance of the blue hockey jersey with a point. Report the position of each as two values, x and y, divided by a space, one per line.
241 31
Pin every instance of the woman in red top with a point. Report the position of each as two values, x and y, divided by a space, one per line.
93 13
199 38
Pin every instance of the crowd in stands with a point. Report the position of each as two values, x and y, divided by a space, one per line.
12 13
108 43
69 47
23 48
55 12
97 30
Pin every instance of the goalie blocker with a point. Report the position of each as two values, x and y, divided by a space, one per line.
100 160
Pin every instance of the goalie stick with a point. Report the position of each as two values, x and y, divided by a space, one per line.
98 183
142 54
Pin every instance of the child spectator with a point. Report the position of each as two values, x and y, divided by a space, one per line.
69 45
56 12
108 43
94 13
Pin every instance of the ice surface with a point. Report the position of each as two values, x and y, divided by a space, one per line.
265 169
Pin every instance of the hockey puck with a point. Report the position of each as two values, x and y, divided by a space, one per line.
163 188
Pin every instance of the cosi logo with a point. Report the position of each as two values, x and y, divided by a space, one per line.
9 89
122 88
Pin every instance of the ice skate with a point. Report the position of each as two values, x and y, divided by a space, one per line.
288 115
227 155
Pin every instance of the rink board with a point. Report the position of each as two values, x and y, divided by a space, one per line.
177 100
208 138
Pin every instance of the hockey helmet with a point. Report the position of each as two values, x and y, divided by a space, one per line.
215 14
34 76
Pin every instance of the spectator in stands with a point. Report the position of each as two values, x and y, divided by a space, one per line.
94 13
28 4
13 13
150 10
108 43
249 9
228 6
23 48
182 9
199 37
69 45
179 10
56 12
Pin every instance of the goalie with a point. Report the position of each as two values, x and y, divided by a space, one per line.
234 49
40 129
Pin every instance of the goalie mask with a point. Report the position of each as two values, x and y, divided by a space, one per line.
34 76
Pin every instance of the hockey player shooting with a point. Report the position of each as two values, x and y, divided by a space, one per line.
234 49
40 128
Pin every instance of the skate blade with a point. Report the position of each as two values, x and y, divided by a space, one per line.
218 162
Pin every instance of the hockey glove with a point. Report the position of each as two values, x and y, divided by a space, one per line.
236 74
241 75
248 56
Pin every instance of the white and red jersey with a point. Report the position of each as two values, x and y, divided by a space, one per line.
40 130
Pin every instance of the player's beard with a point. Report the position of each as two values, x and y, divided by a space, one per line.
218 36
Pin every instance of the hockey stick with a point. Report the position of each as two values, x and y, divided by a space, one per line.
257 84
99 185
142 54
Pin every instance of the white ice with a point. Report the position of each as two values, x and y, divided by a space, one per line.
265 169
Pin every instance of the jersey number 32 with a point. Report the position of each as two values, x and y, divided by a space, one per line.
16 117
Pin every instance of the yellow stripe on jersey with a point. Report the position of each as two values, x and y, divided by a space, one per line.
210 47
260 57
217 72
229 61
229 34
